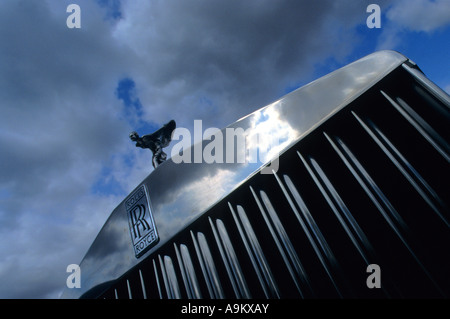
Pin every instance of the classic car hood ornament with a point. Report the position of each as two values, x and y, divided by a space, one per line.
156 141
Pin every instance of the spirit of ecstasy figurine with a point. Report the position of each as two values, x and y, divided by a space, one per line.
156 141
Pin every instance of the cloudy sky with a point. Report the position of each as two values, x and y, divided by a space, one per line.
70 97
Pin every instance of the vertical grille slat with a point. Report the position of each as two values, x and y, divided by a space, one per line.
254 252
408 171
144 292
259 253
416 121
130 295
230 260
293 262
157 279
369 183
316 239
429 86
208 267
190 272
336 203
172 280
433 136
187 285
187 272
165 279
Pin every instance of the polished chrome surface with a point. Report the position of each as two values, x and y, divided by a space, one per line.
179 193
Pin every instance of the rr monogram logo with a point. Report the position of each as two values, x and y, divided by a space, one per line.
142 226
138 220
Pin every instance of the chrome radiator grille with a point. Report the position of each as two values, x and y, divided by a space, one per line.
370 185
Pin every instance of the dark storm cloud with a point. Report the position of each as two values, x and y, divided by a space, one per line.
219 60
59 122
57 107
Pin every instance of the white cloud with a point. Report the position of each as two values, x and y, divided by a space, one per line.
420 15
412 16
39 248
